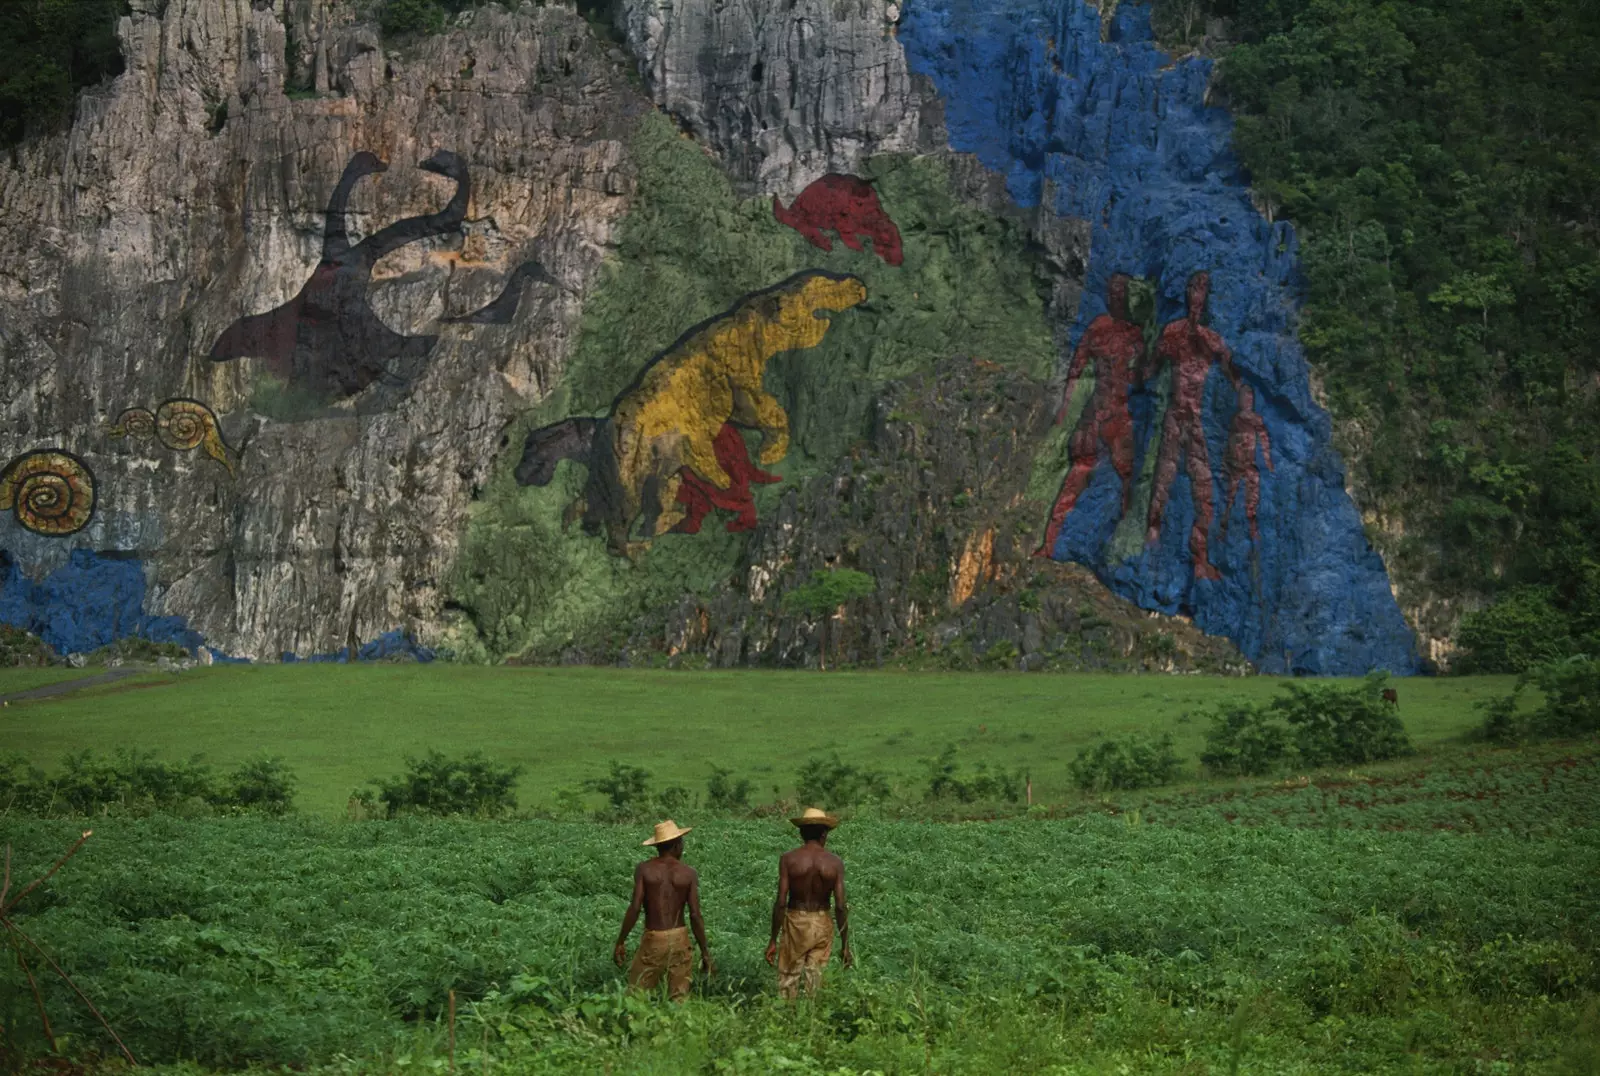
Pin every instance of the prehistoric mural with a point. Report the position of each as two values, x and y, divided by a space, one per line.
504 306
180 424
1207 401
1190 348
846 206
50 492
1248 433
1113 344
672 447
327 341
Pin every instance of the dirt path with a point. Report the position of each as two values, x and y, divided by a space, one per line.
62 687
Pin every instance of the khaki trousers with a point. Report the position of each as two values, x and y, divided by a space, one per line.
663 953
804 947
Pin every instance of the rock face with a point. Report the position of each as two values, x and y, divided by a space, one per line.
933 505
287 307
190 193
1202 477
786 91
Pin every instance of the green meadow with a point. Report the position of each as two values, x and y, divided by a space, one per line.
337 726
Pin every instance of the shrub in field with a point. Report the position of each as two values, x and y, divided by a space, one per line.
131 780
1571 706
1341 725
262 784
946 781
724 793
1246 740
434 784
1131 762
831 782
624 786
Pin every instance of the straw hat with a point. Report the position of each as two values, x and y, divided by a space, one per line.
815 816
666 831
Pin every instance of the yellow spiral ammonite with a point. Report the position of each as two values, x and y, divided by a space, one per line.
52 492
134 422
186 424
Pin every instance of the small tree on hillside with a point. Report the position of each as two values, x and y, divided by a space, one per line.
826 595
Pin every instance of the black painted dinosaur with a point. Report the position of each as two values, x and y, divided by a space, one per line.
327 340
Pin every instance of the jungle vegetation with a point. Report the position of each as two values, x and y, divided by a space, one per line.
1439 159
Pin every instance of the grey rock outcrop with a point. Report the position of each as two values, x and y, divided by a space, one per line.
190 192
784 92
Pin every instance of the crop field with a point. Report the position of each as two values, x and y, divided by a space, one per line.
339 726
1164 939
1434 913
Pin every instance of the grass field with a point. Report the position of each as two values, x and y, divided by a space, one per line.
338 726
27 677
1335 939
1432 914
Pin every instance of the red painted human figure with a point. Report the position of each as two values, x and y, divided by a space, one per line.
848 206
1113 344
1191 347
699 497
1248 432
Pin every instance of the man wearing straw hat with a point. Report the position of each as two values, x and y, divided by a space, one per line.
808 878
662 886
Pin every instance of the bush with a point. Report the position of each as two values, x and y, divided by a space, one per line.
263 784
17 647
625 786
134 648
1131 762
434 784
1522 630
131 780
1336 725
830 782
1571 706
724 793
945 781
1246 741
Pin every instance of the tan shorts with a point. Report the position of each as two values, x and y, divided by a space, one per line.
803 951
663 953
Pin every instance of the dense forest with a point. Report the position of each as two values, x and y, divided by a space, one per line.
1440 160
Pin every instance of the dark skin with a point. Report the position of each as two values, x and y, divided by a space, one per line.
809 877
663 887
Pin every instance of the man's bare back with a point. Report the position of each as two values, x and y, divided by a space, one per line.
666 884
662 888
813 872
810 878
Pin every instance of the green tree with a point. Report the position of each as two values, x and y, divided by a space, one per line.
825 597
49 50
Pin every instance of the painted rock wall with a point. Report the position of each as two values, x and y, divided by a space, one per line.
1201 479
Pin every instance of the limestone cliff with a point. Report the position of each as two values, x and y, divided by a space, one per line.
486 342
190 193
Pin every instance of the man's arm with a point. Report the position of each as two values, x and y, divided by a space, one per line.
841 915
1265 438
698 923
620 953
777 909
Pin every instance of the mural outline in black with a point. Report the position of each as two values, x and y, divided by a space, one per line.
327 340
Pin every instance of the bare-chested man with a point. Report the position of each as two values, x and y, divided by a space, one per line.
808 878
663 886
1191 348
